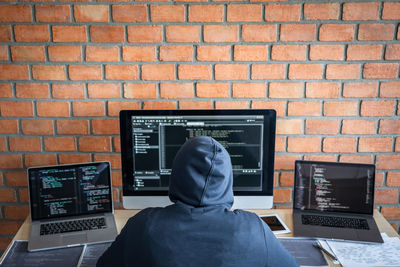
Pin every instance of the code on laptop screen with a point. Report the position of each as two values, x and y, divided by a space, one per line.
69 190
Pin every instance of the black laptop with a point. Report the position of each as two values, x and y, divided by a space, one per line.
333 200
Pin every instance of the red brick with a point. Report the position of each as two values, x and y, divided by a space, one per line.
159 105
52 109
322 90
31 90
397 145
3 148
268 71
129 13
65 53
221 33
282 195
144 90
16 178
250 53
15 13
176 90
182 33
278 106
285 162
305 71
115 106
386 196
73 34
13 72
94 144
280 144
8 126
389 126
27 53
285 90
289 52
139 53
392 52
11 161
393 179
375 32
231 105
390 89
299 108
5 90
391 213
16 109
176 53
336 32
364 52
244 12
327 11
326 52
320 157
378 108
339 144
280 12
75 127
5 33
231 72
341 108
74 158
388 162
213 53
363 89
297 32
48 72
105 126
212 90
319 126
358 127
91 13
259 33
391 11
367 159
9 227
378 179
84 72
104 90
4 52
195 104
53 13
343 71
60 144
37 127
33 160
99 53
248 90
88 108
31 33
380 70
361 11
158 72
107 33
68 91
144 33
289 126
304 144
194 72
206 13
115 160
286 179
121 72
16 212
167 13
375 144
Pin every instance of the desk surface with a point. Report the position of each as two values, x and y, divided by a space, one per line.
121 217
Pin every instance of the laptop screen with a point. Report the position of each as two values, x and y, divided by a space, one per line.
69 190
332 186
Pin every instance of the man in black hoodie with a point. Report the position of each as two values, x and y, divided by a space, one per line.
199 229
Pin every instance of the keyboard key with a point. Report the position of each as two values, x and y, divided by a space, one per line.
72 226
341 222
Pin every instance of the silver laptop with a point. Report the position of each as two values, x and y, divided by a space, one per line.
70 205
334 200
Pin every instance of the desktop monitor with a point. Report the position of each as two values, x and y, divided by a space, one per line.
151 138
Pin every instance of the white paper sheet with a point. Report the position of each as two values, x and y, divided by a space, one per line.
354 254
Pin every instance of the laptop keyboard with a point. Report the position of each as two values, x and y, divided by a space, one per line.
72 226
342 222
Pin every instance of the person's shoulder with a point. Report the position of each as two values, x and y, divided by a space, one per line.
144 214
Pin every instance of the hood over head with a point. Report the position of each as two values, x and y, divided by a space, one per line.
202 174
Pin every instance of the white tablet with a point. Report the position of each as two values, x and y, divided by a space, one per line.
275 223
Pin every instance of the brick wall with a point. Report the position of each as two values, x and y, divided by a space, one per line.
330 69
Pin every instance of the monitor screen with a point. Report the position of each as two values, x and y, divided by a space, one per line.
150 140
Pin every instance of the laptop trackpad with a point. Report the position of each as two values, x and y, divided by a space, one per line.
77 238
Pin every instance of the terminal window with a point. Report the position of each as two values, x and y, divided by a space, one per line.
156 140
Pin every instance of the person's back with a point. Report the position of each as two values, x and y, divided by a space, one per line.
199 229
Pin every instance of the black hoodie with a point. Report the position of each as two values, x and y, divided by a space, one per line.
198 229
